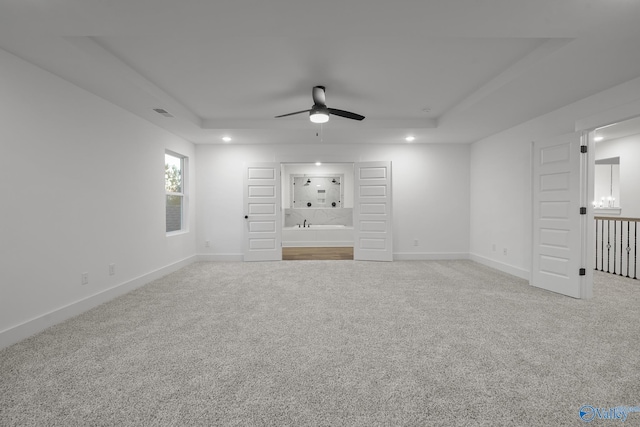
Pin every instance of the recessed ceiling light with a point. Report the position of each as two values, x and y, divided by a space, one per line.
318 163
410 138
598 138
226 138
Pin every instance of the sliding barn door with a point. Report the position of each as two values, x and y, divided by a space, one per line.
372 212
262 213
559 229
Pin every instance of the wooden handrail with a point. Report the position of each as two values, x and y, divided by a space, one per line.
615 218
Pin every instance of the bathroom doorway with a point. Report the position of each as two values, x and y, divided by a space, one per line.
339 205
317 206
360 216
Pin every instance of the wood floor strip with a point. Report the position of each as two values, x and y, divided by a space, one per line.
337 253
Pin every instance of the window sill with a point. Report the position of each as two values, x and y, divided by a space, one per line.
176 233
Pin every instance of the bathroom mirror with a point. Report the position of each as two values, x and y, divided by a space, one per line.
607 183
316 191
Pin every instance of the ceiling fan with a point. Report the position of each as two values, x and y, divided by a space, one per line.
319 113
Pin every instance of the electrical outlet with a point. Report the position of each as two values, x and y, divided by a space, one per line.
207 244
504 251
84 279
112 269
493 247
415 242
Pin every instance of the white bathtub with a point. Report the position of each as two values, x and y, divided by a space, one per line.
317 235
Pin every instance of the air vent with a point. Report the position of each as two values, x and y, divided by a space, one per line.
163 112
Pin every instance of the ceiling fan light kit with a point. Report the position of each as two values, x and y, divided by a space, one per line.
319 113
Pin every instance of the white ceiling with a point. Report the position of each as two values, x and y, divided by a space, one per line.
228 67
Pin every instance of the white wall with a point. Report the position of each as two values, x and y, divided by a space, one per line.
500 205
430 193
500 179
628 149
83 187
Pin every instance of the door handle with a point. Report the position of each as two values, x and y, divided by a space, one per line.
246 217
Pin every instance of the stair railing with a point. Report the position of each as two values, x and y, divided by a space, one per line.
617 245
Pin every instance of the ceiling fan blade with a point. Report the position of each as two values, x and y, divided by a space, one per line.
345 114
319 95
291 114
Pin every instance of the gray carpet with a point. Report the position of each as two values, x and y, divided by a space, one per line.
332 343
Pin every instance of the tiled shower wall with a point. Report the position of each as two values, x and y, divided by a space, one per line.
335 216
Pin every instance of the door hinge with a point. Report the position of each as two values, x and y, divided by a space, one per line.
583 148
583 272
583 211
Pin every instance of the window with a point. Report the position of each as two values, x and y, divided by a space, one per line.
174 185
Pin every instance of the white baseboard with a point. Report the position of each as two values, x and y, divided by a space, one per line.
400 256
506 268
31 327
428 256
221 257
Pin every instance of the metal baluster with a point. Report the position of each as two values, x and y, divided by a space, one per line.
635 249
602 245
628 247
621 238
596 239
615 231
608 243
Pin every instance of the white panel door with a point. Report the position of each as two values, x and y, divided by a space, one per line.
558 226
262 210
372 212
